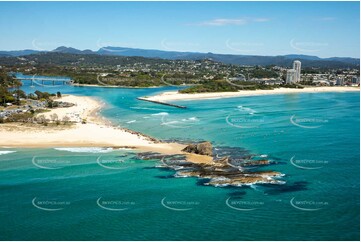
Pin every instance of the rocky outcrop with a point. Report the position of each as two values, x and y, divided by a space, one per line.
204 148
147 137
228 167
256 163
222 161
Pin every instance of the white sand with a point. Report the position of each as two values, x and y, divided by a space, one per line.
85 108
174 95
97 132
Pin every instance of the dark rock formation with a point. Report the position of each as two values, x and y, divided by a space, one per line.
234 169
256 163
223 160
204 148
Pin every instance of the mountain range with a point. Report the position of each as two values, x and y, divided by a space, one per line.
281 60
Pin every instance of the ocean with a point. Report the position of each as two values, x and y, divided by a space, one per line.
106 194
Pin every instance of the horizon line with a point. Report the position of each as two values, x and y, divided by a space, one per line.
180 51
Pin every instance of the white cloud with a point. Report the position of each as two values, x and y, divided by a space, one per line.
227 21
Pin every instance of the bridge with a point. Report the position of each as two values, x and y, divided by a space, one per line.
43 80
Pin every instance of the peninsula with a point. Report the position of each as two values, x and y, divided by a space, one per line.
177 96
86 128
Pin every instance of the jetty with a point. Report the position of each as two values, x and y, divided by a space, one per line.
161 103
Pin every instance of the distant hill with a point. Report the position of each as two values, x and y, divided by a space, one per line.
285 60
350 60
251 60
70 50
69 59
18 52
123 51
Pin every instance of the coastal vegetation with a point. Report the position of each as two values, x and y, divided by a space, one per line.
17 106
128 71
211 86
224 86
7 82
201 75
34 116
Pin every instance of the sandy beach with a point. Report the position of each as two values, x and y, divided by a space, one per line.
174 95
97 132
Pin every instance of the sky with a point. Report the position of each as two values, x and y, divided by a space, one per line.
324 29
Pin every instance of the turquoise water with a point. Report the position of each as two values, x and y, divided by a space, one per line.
113 195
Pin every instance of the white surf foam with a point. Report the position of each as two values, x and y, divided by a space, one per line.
193 119
170 122
4 152
86 150
145 108
160 114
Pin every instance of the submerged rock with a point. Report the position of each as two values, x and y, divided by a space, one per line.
204 148
256 163
235 169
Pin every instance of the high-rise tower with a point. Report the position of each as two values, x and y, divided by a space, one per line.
297 68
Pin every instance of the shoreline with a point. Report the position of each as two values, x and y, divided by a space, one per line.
96 132
175 96
114 86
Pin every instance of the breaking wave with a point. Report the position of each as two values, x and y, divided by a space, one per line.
4 152
86 150
160 114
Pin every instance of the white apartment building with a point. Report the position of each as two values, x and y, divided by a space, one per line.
291 76
297 68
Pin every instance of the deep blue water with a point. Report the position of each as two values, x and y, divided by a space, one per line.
314 138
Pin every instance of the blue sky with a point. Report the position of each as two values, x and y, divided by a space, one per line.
325 29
